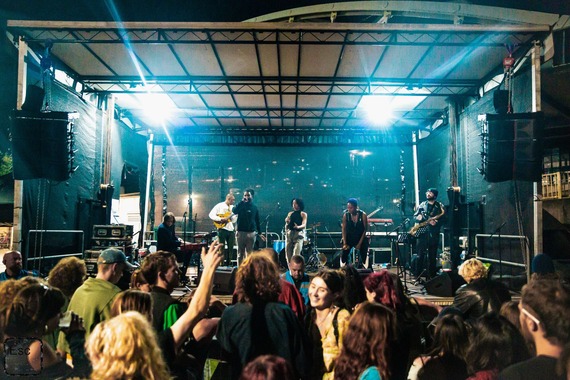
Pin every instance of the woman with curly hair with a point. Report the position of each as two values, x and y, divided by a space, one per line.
258 324
124 347
366 345
327 320
68 275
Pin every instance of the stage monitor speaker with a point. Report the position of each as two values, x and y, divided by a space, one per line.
40 145
513 147
364 273
225 280
440 286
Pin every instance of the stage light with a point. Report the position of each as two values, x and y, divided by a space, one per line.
360 153
377 108
157 107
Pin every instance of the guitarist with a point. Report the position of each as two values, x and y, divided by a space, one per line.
427 219
295 224
223 219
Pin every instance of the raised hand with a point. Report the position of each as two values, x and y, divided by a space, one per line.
213 257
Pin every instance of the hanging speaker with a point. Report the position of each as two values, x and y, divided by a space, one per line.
42 145
34 99
512 147
501 101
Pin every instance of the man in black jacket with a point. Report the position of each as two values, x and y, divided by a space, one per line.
481 294
248 225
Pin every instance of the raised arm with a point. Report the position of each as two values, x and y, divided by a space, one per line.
199 304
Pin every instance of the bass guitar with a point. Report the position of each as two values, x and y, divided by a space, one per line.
418 228
221 224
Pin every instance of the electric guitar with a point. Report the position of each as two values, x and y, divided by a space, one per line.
418 226
221 224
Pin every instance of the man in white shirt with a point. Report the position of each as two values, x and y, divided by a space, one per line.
223 219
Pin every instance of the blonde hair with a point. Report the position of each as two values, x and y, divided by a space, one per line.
472 269
125 347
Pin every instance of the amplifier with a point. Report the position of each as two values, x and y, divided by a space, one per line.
104 244
91 265
123 231
92 254
224 280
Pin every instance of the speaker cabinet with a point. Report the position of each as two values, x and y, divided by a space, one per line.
42 145
225 280
440 286
512 147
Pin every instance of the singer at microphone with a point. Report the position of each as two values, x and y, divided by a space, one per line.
248 225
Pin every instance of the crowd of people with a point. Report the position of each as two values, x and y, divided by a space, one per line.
333 325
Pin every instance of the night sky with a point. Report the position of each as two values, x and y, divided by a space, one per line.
199 10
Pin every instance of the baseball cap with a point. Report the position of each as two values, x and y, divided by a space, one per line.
434 191
112 256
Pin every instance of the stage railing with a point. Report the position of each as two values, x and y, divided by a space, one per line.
53 243
508 250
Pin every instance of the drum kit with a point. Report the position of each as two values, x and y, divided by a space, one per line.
314 260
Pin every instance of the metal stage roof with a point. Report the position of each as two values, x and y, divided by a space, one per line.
301 82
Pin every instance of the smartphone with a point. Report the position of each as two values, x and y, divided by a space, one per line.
65 320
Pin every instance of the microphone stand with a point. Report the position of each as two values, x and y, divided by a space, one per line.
400 268
330 237
184 216
266 229
498 233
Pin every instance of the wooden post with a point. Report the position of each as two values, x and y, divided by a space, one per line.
16 240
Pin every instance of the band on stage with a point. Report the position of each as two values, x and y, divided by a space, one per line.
238 229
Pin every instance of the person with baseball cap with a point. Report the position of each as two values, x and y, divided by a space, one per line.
428 224
92 301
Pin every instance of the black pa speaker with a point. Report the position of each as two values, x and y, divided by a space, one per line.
440 286
513 147
41 145
225 280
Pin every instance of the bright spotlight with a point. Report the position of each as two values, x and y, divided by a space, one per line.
157 107
378 109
